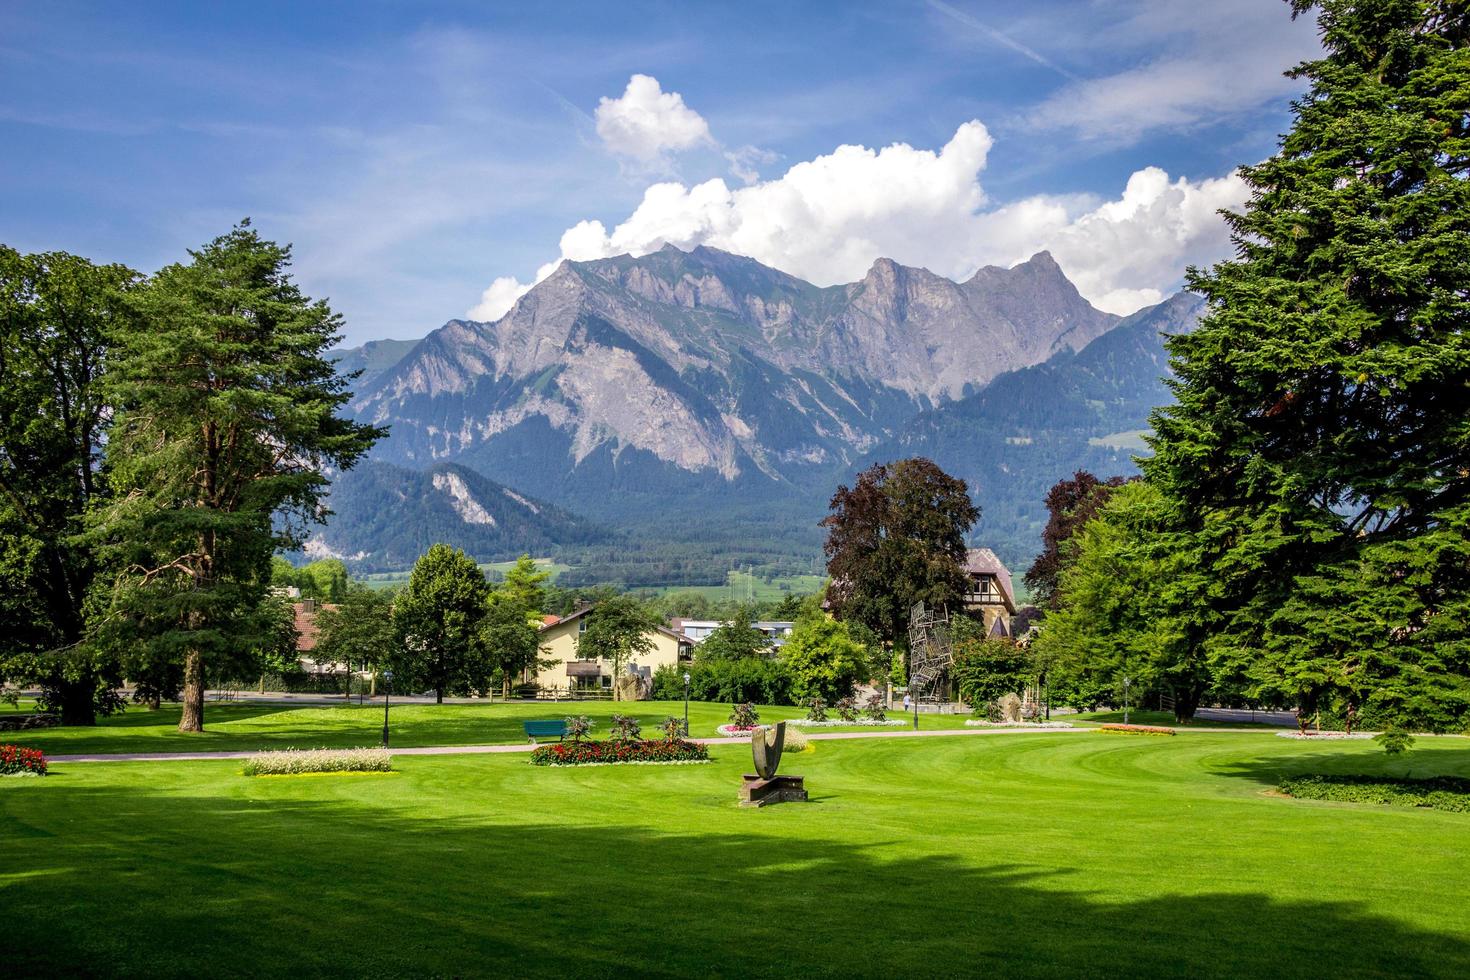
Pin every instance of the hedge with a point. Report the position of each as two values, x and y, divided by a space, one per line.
1437 792
756 680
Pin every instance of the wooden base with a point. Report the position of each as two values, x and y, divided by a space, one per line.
780 789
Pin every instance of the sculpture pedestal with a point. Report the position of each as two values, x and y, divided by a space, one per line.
756 791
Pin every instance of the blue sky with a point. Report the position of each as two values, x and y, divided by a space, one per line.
415 153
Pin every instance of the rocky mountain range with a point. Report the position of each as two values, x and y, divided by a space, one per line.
705 387
708 363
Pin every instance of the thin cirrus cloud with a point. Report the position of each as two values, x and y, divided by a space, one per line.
827 219
1193 64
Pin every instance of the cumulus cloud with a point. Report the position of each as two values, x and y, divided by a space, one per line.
827 219
645 123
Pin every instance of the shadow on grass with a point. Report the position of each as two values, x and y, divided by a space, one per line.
137 882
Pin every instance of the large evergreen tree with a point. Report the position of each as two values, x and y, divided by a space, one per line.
226 424
895 538
56 314
1320 446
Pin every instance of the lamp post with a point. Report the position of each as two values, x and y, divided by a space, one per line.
387 687
1125 699
686 704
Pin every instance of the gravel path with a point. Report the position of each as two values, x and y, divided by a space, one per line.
509 749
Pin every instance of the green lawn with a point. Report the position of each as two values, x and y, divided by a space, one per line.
246 725
1024 855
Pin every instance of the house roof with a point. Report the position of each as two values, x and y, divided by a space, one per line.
303 618
983 561
578 614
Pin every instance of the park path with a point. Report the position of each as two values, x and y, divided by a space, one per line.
513 748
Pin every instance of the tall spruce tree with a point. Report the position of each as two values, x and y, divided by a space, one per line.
56 313
1320 446
226 424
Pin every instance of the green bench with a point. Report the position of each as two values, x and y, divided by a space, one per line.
544 729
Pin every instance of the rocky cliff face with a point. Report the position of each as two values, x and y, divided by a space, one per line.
639 372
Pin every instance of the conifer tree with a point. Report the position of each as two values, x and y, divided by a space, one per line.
226 424
1319 450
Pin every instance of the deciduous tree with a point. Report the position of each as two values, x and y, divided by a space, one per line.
617 629
1069 505
897 537
437 622
57 313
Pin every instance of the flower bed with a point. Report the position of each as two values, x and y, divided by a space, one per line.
983 723
16 760
300 762
1438 793
736 731
616 753
1137 729
855 723
1311 736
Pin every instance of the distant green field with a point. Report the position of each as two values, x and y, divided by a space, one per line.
745 587
1132 439
496 569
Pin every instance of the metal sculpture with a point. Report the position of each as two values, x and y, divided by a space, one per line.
765 747
765 787
931 655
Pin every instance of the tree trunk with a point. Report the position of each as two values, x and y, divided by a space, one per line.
76 704
1186 702
439 694
192 717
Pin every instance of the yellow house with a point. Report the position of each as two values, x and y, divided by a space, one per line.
566 670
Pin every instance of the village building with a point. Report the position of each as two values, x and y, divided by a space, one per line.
699 630
988 594
564 669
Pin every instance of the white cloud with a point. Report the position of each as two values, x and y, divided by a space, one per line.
646 122
827 219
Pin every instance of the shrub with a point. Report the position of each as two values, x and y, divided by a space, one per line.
744 715
591 753
625 728
875 709
759 681
816 709
578 727
673 729
796 740
847 708
297 762
16 760
1438 792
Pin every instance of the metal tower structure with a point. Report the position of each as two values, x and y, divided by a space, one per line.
930 654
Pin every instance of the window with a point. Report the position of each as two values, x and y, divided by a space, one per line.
582 625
